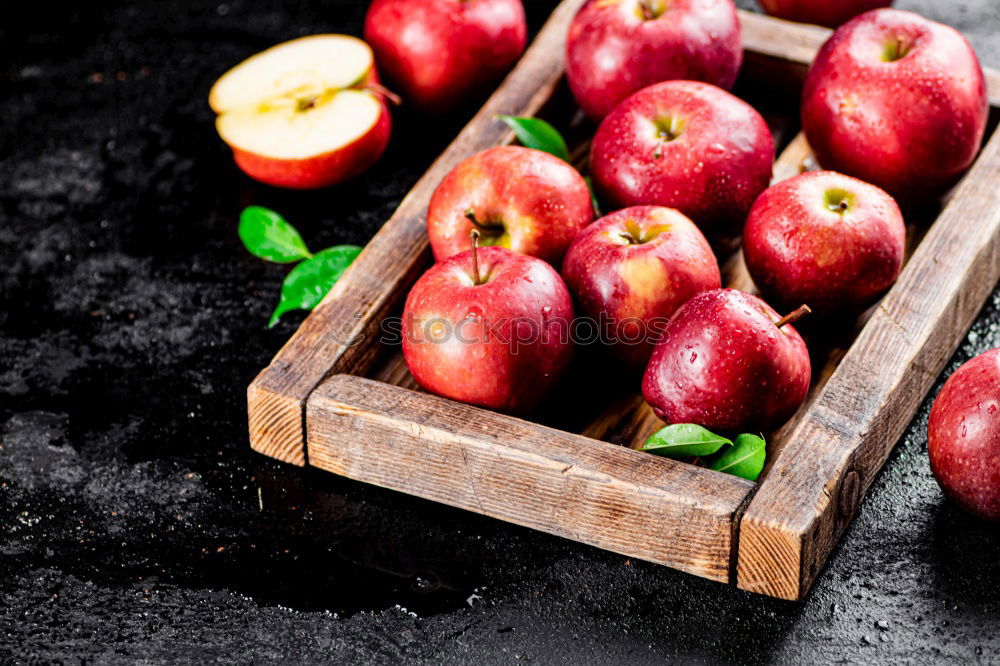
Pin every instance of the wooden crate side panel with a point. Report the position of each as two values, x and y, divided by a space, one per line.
813 489
597 493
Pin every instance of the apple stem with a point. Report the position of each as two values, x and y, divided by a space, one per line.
647 10
794 315
379 89
474 238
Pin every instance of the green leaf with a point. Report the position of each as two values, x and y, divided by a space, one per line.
744 459
682 440
538 134
307 283
267 235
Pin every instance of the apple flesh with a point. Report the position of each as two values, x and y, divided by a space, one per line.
439 52
499 341
518 198
830 13
898 101
685 145
304 114
964 436
635 267
825 239
617 48
724 364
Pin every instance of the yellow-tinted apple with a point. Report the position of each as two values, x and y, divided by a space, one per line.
518 198
635 267
304 114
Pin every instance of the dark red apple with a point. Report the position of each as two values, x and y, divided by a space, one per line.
728 362
963 436
438 52
825 239
830 13
518 198
898 101
616 48
492 332
685 145
634 268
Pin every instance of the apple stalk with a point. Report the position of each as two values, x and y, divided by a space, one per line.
474 240
794 315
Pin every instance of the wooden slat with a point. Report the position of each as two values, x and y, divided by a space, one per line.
600 494
340 333
798 43
813 488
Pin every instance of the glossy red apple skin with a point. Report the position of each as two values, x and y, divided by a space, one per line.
964 436
712 171
636 266
510 335
541 201
723 364
912 126
327 169
612 52
436 53
830 13
800 247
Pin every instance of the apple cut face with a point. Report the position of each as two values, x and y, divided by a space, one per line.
300 115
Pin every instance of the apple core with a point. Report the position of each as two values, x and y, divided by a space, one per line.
649 10
896 48
838 201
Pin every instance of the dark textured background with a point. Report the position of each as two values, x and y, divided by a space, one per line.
132 321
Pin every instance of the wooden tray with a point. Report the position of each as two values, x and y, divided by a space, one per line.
335 397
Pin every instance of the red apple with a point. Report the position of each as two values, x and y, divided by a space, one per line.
490 328
438 52
303 114
963 436
685 145
898 101
825 239
830 13
728 362
518 198
635 267
616 48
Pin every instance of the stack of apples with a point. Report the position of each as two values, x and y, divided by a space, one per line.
894 107
894 103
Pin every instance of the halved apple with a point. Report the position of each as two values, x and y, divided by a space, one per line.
304 114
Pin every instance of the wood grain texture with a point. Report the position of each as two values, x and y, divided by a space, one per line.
340 334
814 487
610 497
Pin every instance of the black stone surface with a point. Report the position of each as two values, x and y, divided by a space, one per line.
137 524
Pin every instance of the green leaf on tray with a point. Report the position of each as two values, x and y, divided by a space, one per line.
538 134
267 235
744 459
683 440
306 285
